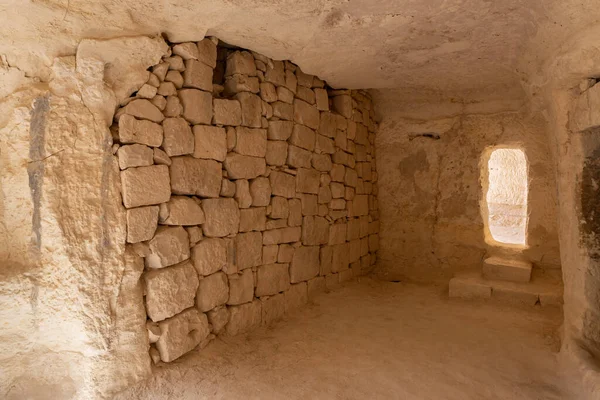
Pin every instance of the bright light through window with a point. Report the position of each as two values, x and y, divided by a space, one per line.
507 196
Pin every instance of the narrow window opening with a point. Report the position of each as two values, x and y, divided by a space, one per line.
506 197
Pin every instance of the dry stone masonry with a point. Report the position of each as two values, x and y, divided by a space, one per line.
249 187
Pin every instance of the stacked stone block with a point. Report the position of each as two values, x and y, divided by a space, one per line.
249 185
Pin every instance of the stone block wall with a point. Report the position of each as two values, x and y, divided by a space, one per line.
249 186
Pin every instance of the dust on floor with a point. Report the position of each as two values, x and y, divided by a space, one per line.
377 340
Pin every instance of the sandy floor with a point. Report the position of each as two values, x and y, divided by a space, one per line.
376 340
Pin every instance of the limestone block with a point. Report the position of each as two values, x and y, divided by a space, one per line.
276 224
160 102
251 142
170 290
315 230
260 190
352 229
282 235
210 142
349 193
291 82
285 95
303 137
141 223
197 75
240 62
222 217
275 73
268 92
322 99
181 210
350 177
227 188
324 145
173 107
305 94
359 206
218 318
295 216
181 334
144 186
134 155
213 291
354 251
282 184
160 157
269 254
209 256
248 249
176 63
323 210
321 162
506 269
207 52
296 297
306 114
298 158
194 176
362 135
327 124
339 257
364 246
340 140
251 106
304 79
280 130
132 130
342 105
307 181
167 89
305 264
178 137
197 106
273 308
272 279
363 226
227 112
338 190
241 83
147 91
176 78
239 166
316 286
324 195
338 204
253 219
325 259
285 253
194 233
338 173
242 193
143 109
283 110
169 246
243 318
279 208
241 288
153 331
310 205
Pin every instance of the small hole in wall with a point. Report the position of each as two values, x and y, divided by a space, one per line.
506 192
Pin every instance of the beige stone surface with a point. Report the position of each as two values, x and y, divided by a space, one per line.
218 318
197 106
295 216
181 334
145 185
132 130
213 291
305 264
178 137
222 217
280 130
298 157
242 193
170 245
240 62
193 176
197 75
248 250
209 256
135 155
243 318
273 308
241 288
251 142
207 52
227 112
315 230
307 181
170 290
272 279
210 142
296 297
260 190
244 167
141 223
303 137
251 109
143 109
181 210
253 219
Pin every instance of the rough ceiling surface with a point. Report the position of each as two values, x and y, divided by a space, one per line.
449 48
